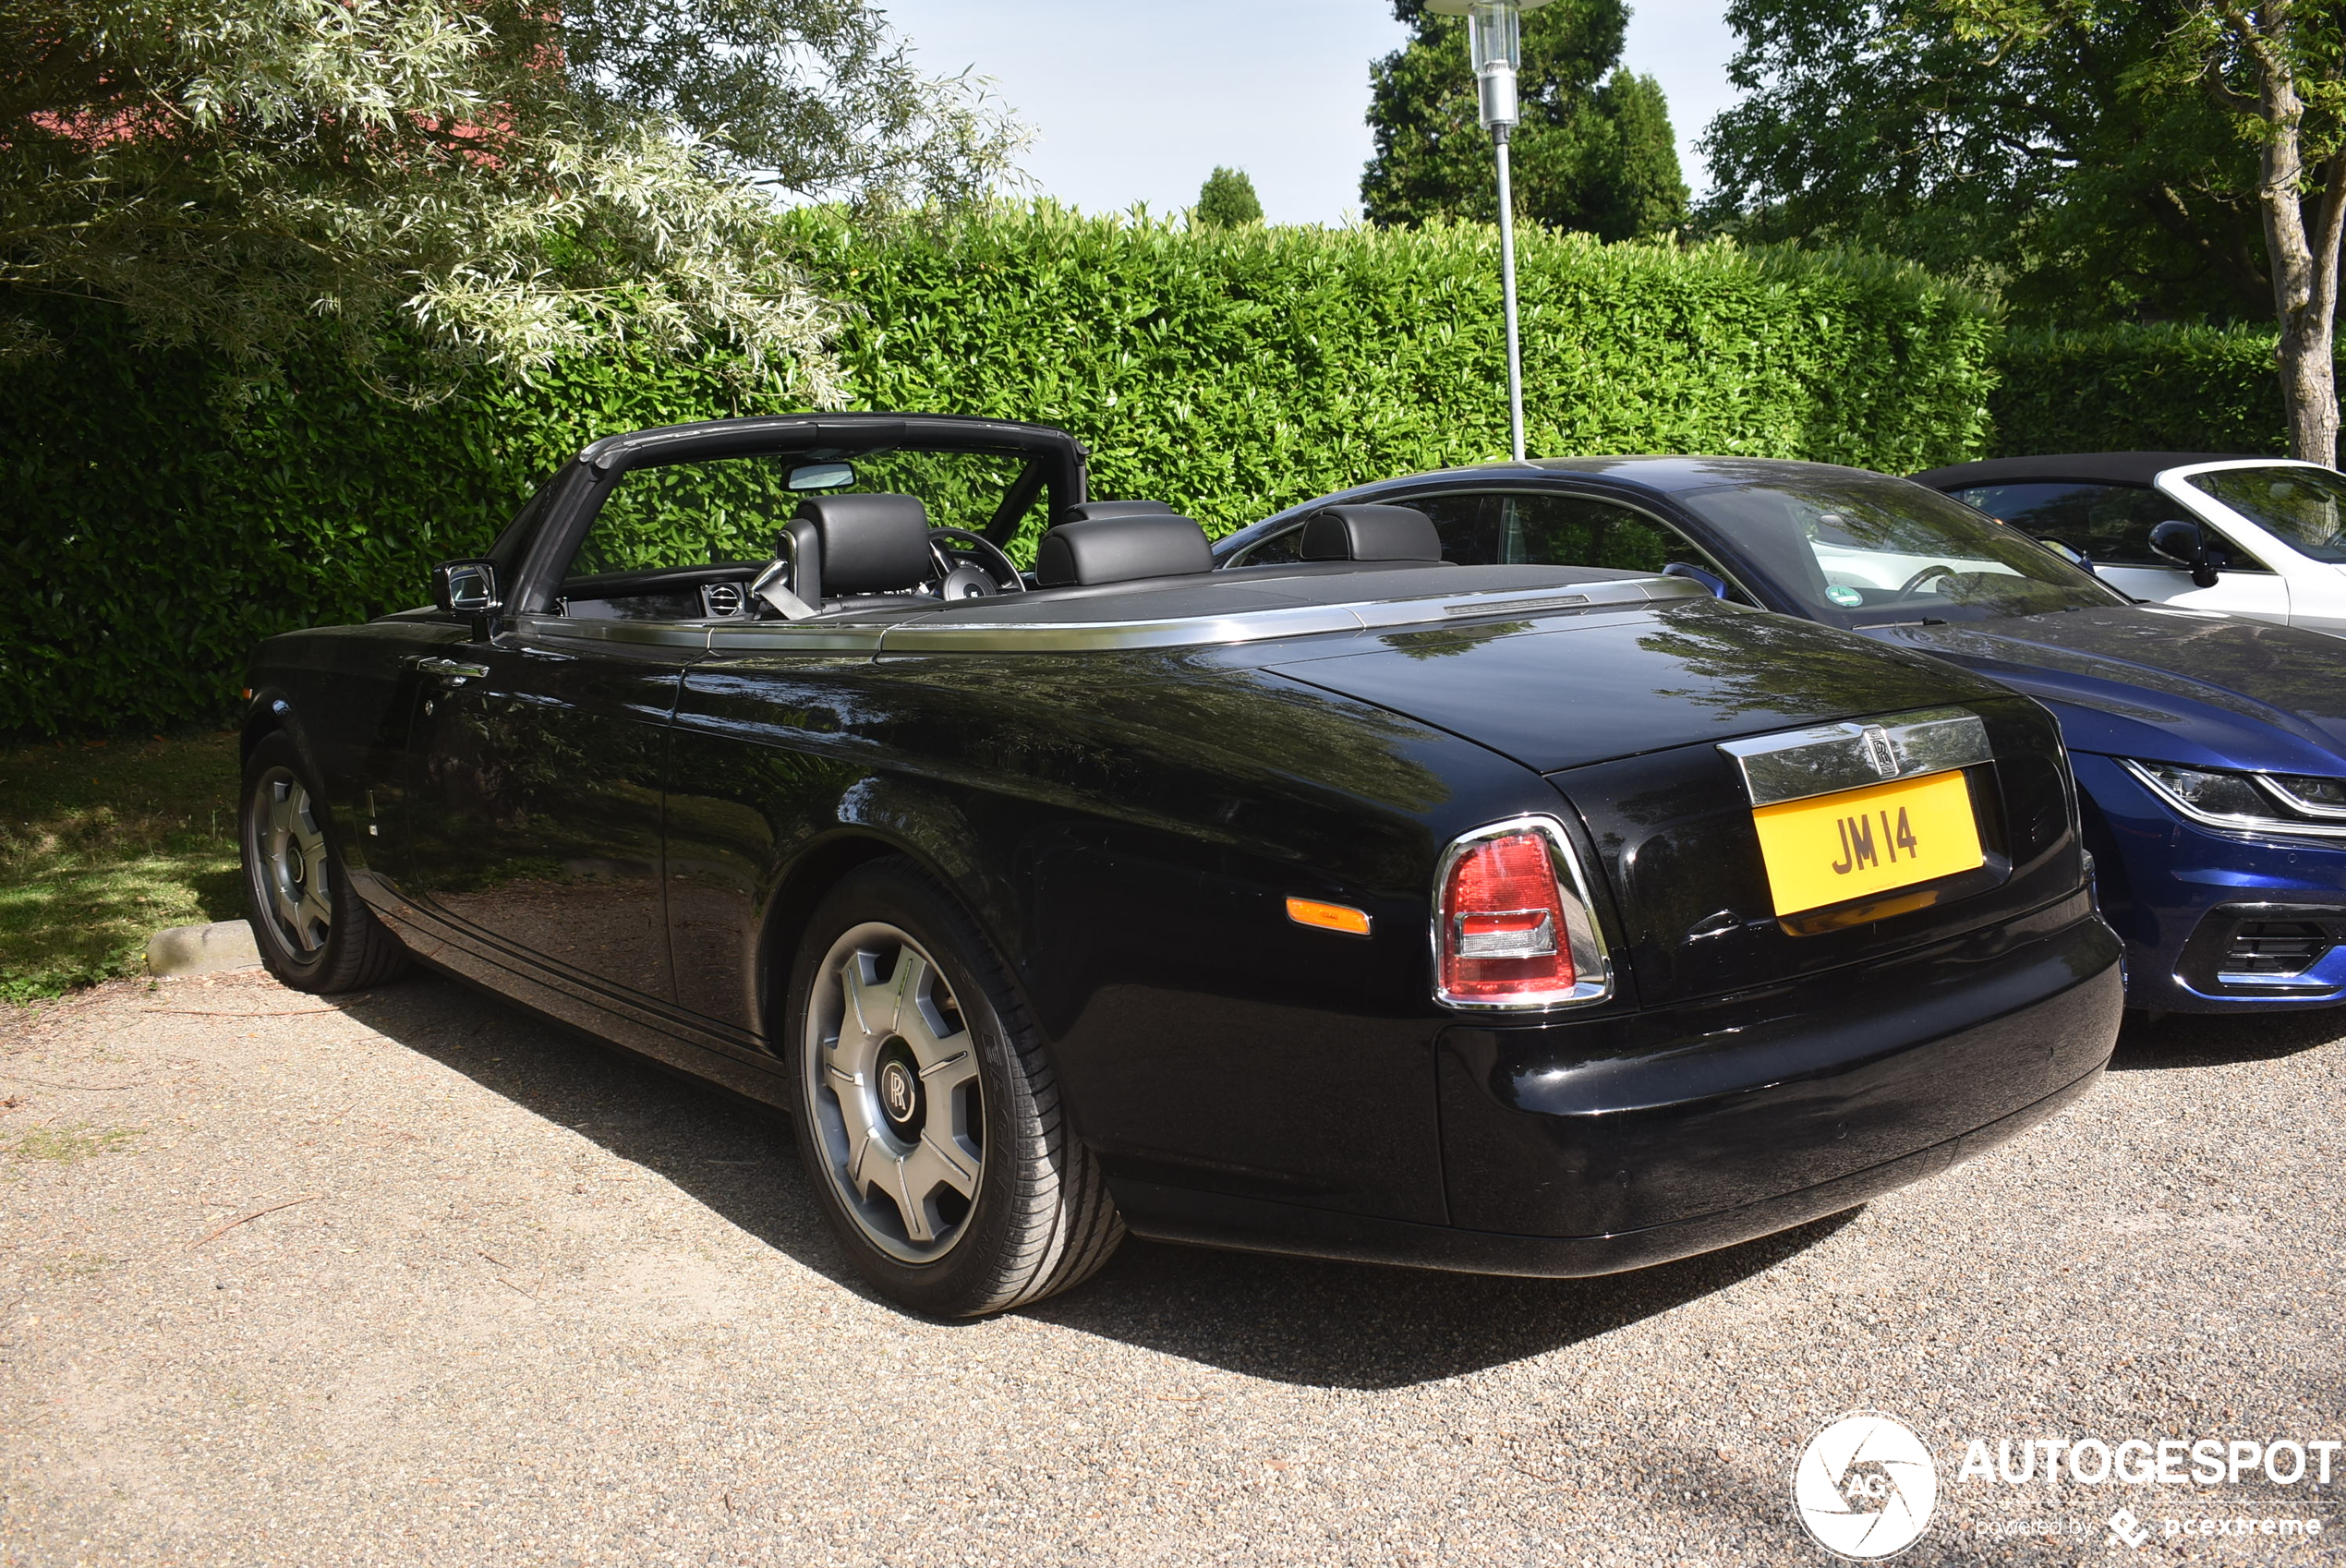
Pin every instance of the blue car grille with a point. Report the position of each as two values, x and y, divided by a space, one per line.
2279 948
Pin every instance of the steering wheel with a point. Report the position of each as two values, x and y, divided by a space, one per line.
1925 575
960 580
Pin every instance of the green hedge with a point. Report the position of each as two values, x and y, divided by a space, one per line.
150 540
2139 388
1236 371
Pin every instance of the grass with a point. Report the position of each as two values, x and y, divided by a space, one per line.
104 843
68 1145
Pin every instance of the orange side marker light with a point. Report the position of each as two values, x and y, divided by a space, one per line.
1328 917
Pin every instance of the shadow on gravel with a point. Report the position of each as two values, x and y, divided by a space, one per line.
732 1156
1351 1325
2187 1040
1294 1321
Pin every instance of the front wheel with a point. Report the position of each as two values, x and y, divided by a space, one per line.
313 930
929 1119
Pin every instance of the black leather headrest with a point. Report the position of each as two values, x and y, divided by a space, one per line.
872 544
1371 533
1084 512
1117 550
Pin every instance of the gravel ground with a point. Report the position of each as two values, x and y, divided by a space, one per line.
531 1302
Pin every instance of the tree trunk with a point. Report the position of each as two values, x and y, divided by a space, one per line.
2304 265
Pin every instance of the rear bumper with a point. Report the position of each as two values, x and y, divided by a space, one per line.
1254 1224
1615 1143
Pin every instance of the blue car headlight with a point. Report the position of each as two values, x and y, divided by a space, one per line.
2271 802
2314 797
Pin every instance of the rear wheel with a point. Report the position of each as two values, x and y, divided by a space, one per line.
929 1119
314 931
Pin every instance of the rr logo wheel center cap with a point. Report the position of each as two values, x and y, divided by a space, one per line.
899 1095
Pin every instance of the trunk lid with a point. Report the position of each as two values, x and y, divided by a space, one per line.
1624 715
1564 690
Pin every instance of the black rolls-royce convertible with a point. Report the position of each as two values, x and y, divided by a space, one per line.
1517 919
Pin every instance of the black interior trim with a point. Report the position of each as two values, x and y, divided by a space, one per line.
1002 528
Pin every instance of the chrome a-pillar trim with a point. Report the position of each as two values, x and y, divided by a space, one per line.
1831 757
1591 959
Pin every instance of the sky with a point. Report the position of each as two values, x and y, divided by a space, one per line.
1138 102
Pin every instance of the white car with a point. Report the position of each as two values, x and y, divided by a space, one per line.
2264 537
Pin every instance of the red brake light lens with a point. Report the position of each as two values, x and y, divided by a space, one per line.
1503 933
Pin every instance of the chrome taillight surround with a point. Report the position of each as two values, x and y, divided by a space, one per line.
1592 960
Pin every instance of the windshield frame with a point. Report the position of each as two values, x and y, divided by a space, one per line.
2176 483
2045 566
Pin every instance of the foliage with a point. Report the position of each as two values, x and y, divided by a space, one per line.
2037 165
1229 371
103 845
2139 388
1594 153
512 183
1228 201
816 98
2275 71
2102 159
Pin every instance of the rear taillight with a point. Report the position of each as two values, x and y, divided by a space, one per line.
1511 925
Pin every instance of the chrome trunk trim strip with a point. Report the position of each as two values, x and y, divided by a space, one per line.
1832 757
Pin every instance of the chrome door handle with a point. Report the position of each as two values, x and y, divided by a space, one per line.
454 668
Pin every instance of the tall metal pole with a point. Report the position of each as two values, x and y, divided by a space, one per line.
1506 289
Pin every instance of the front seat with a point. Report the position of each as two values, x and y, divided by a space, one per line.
1371 533
1121 549
839 549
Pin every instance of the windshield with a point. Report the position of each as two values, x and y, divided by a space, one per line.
2302 505
729 509
1865 549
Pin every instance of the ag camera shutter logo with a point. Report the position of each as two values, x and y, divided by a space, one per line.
1865 1487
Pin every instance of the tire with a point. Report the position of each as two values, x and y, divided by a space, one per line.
313 930
930 1123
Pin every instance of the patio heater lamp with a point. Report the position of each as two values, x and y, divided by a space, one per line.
1495 45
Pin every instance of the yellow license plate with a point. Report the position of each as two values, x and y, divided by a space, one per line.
1829 849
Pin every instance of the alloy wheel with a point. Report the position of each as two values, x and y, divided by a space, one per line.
889 1076
292 853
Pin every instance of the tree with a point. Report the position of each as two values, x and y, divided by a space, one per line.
1594 150
508 181
1228 201
2092 158
2276 70
2034 167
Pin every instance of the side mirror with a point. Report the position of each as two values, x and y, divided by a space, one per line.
2184 543
464 587
1711 580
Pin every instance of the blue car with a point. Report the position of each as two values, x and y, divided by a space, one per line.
2209 749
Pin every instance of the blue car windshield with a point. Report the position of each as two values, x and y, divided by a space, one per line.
1860 549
